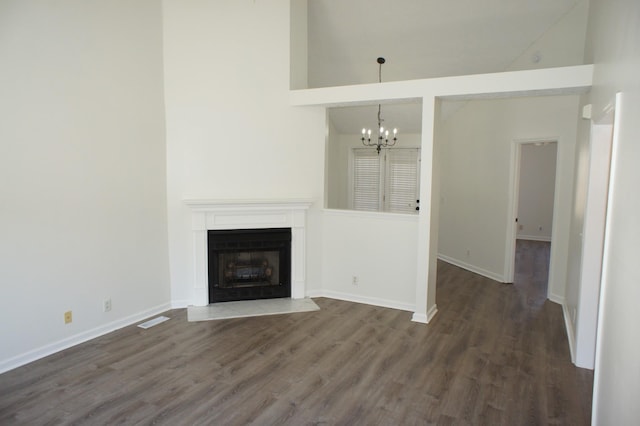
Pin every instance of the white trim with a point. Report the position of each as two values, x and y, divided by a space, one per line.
350 176
472 268
376 215
555 236
555 298
534 238
513 200
571 334
512 211
593 234
425 319
426 276
421 318
575 79
604 282
433 310
349 297
200 204
82 337
315 293
180 304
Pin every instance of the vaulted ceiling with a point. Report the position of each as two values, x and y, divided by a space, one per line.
428 38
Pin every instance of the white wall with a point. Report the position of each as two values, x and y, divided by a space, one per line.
475 164
298 44
613 46
231 133
562 44
377 248
82 172
336 170
536 191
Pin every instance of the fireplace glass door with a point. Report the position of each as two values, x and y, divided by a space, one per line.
249 264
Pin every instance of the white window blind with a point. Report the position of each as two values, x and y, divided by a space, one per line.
366 180
401 193
386 182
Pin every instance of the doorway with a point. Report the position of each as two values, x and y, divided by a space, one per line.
534 164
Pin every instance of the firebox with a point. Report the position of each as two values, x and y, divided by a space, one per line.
248 264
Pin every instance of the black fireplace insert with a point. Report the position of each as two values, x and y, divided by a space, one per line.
249 264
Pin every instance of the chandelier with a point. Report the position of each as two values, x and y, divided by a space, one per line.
383 134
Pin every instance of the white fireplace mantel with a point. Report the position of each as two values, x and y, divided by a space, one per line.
247 214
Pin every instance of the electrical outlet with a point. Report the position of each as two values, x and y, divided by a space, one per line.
468 253
354 280
540 228
520 227
68 317
106 305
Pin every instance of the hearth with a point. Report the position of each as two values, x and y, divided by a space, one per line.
248 264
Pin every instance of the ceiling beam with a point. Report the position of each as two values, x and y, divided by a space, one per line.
548 81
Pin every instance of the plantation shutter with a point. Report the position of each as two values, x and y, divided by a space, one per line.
402 174
366 180
386 182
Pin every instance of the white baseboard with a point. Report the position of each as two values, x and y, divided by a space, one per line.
534 238
51 348
180 304
425 319
571 335
432 313
556 298
421 318
384 303
314 293
472 268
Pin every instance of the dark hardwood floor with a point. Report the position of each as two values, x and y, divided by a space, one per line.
495 354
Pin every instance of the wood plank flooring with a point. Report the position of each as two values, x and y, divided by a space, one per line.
495 354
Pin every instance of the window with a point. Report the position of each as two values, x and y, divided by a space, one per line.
387 182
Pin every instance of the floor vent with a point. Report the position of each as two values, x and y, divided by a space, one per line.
152 322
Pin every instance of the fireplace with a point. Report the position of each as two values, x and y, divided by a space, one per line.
249 264
229 215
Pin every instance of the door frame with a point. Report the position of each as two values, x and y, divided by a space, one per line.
593 235
512 213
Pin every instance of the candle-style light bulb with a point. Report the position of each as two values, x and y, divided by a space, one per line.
395 132
364 131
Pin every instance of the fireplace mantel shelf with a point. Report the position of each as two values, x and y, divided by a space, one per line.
229 204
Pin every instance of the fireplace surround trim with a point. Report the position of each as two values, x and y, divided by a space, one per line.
246 214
